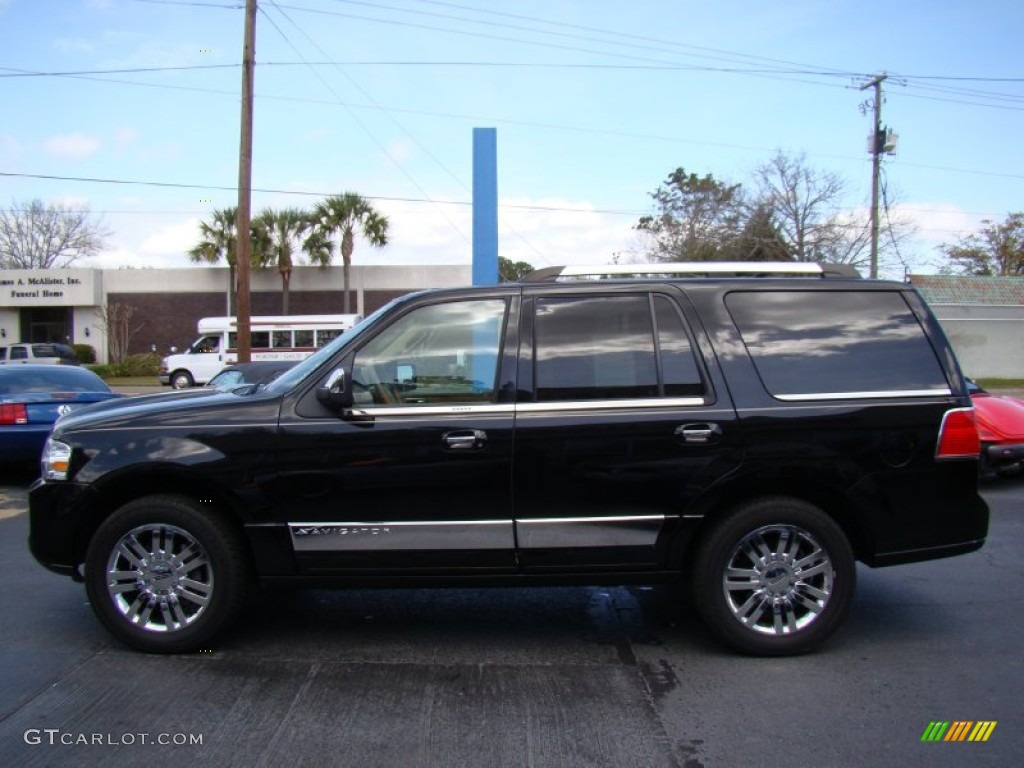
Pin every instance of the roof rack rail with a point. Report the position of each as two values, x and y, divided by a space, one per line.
697 269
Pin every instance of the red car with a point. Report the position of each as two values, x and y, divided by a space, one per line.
1001 427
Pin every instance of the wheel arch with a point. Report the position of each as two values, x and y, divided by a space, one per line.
112 493
825 494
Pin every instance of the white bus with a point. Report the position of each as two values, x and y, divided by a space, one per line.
285 337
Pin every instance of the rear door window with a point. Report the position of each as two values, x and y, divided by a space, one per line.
810 345
612 348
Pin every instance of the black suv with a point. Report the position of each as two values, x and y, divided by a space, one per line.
752 428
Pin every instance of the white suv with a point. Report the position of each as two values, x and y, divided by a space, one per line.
55 354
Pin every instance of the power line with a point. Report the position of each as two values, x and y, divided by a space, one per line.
305 193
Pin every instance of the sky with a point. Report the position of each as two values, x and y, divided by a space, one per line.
132 108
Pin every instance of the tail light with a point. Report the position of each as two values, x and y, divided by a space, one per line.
13 413
958 435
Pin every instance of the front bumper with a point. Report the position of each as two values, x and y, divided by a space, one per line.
56 512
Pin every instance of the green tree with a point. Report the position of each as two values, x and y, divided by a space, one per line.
218 241
696 218
996 250
760 239
346 214
284 229
509 271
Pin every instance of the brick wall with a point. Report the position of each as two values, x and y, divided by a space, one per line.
169 319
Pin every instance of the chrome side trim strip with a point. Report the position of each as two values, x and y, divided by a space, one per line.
438 410
589 532
615 519
510 408
865 395
606 405
394 536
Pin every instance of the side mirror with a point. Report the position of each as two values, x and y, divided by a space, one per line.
174 350
336 391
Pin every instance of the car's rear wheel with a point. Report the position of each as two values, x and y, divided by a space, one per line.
774 577
181 380
164 576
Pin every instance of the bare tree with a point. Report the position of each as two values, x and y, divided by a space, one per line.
34 235
805 208
118 321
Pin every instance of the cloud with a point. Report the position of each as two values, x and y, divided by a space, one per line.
171 240
542 232
939 223
76 145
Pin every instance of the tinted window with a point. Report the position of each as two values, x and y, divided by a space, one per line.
830 342
443 353
281 339
257 340
304 338
678 364
54 378
326 335
603 347
19 353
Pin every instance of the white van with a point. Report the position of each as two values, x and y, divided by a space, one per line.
285 337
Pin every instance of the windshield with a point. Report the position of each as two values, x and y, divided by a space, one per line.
302 371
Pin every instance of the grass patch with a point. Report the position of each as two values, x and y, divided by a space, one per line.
132 381
1001 383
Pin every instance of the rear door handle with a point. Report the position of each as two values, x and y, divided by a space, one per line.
698 434
465 440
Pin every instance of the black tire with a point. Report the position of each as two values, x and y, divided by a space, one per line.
181 380
791 583
165 576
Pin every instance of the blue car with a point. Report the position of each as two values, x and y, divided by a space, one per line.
33 397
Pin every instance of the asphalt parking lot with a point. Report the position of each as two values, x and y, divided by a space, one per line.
521 677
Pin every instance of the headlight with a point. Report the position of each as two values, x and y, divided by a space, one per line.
56 460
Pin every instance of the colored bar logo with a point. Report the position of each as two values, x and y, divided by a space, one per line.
959 730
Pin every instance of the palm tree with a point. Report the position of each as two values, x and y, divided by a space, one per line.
219 242
284 229
345 214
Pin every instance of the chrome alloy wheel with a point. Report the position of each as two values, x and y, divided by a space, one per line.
778 580
159 577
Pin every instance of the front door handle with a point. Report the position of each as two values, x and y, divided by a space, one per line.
465 440
698 434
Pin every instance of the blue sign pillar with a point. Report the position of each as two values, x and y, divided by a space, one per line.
485 206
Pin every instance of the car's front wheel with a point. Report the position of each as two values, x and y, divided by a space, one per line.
181 380
165 576
774 577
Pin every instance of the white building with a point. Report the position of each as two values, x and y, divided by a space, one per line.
66 305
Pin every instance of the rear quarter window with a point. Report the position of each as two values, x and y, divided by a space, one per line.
822 344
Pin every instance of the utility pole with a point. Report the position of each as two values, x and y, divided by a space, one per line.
877 147
242 223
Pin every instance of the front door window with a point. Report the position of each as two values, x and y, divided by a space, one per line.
437 354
